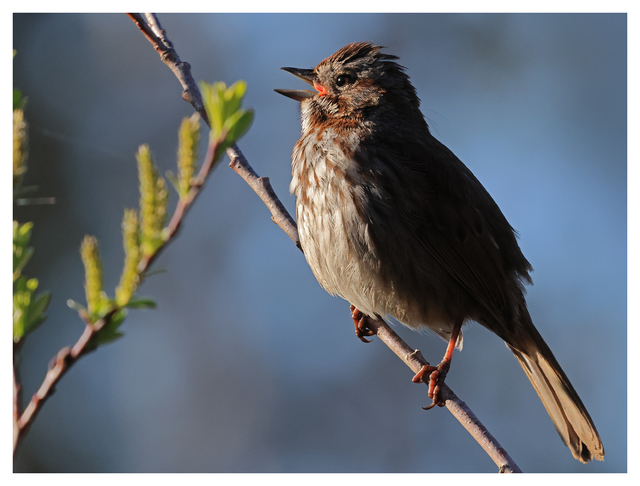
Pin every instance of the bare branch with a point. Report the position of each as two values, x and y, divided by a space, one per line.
154 24
65 358
168 55
17 396
263 189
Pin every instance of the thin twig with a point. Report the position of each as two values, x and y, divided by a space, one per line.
263 189
17 394
182 70
65 358
154 24
283 219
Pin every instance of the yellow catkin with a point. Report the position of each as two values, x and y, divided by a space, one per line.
131 240
19 146
93 284
188 138
153 202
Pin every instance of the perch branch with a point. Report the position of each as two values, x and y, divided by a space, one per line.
459 409
263 189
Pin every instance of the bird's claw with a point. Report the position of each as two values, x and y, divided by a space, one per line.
437 374
360 322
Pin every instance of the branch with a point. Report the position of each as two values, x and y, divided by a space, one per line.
66 357
263 189
414 360
282 218
261 185
17 396
182 70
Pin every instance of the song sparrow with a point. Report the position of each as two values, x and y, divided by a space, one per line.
393 222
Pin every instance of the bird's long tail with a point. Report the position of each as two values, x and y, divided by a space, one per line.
569 415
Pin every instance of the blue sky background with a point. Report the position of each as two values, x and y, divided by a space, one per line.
247 365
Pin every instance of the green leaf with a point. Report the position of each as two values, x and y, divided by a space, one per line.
20 261
108 333
28 313
141 303
238 90
209 97
239 123
32 323
228 121
18 325
233 98
42 302
174 181
20 285
19 101
220 99
21 252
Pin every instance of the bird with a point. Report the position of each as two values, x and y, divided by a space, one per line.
393 222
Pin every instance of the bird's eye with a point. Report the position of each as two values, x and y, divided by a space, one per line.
344 79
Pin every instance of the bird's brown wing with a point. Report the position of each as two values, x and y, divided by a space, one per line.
462 228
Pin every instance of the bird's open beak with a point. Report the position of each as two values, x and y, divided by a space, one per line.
308 76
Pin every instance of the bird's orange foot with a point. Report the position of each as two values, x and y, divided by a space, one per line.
436 379
360 322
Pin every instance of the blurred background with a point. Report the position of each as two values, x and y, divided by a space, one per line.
247 365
